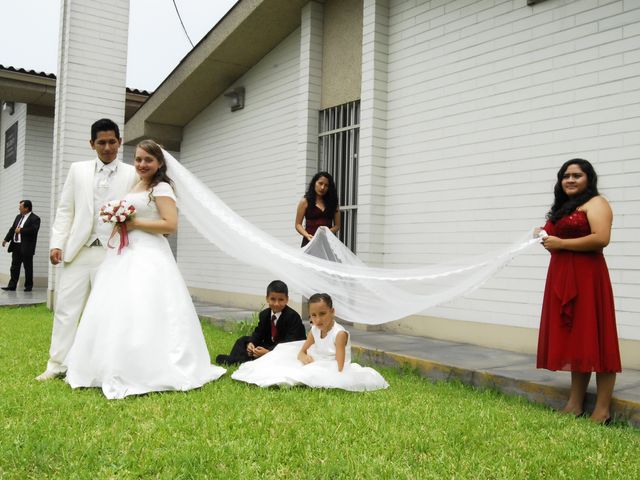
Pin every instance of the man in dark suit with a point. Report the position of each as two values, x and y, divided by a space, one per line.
22 238
277 324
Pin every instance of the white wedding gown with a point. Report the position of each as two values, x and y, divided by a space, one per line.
282 367
139 331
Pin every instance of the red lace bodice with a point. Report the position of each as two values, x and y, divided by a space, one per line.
574 225
314 219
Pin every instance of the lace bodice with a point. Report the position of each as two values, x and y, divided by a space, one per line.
574 225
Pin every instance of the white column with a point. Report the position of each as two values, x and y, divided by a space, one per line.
309 91
92 67
373 132
309 95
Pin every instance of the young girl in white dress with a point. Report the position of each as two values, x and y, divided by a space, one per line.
139 331
323 360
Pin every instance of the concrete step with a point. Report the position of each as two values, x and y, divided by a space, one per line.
509 372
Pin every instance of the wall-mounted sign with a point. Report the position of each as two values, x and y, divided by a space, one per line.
11 145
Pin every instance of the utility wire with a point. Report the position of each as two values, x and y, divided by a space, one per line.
181 23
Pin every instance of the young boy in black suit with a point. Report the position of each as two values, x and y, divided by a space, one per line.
277 324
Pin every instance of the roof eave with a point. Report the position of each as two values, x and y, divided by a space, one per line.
246 34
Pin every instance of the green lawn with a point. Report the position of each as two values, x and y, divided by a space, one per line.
413 430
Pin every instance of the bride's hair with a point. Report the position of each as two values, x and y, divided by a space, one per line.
154 149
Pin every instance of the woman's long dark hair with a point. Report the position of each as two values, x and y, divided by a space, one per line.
152 148
330 198
564 204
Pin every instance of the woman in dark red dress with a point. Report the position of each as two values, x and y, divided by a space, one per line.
318 208
578 325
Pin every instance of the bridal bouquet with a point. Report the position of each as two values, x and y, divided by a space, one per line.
117 213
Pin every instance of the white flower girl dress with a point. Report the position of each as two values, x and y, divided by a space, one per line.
282 367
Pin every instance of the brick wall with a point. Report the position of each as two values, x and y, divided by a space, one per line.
486 99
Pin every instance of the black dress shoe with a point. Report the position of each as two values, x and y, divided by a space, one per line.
9 289
222 359
27 289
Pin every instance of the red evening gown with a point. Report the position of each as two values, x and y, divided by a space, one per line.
314 218
578 324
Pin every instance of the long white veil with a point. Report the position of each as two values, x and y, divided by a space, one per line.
361 294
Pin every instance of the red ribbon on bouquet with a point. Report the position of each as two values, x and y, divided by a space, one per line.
124 237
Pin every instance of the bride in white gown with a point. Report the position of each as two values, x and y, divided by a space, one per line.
139 331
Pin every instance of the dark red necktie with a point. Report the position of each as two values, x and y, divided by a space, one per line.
274 330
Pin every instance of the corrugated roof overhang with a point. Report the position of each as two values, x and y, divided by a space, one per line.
38 91
250 30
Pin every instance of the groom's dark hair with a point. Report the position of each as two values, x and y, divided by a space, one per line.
277 286
104 125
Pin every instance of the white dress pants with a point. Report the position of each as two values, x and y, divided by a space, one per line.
71 295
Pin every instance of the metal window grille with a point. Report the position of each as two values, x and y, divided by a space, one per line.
338 154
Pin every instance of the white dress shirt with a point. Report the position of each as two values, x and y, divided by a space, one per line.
17 238
102 181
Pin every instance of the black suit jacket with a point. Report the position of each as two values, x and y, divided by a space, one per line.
28 235
289 327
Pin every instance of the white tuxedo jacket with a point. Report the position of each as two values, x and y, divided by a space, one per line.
75 213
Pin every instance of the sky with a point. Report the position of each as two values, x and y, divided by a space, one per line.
30 39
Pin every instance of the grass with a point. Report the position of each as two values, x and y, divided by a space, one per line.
414 430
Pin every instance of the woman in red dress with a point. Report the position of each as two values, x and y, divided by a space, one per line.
319 207
578 325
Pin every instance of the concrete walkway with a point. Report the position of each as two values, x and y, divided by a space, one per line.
20 298
509 372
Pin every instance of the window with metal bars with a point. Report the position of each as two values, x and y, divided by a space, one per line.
338 155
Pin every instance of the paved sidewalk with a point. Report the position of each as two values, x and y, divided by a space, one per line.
509 372
20 298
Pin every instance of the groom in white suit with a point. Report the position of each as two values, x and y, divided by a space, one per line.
78 237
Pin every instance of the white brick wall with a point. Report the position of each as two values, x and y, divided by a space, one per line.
486 99
11 181
37 183
92 60
309 91
92 71
249 158
372 149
